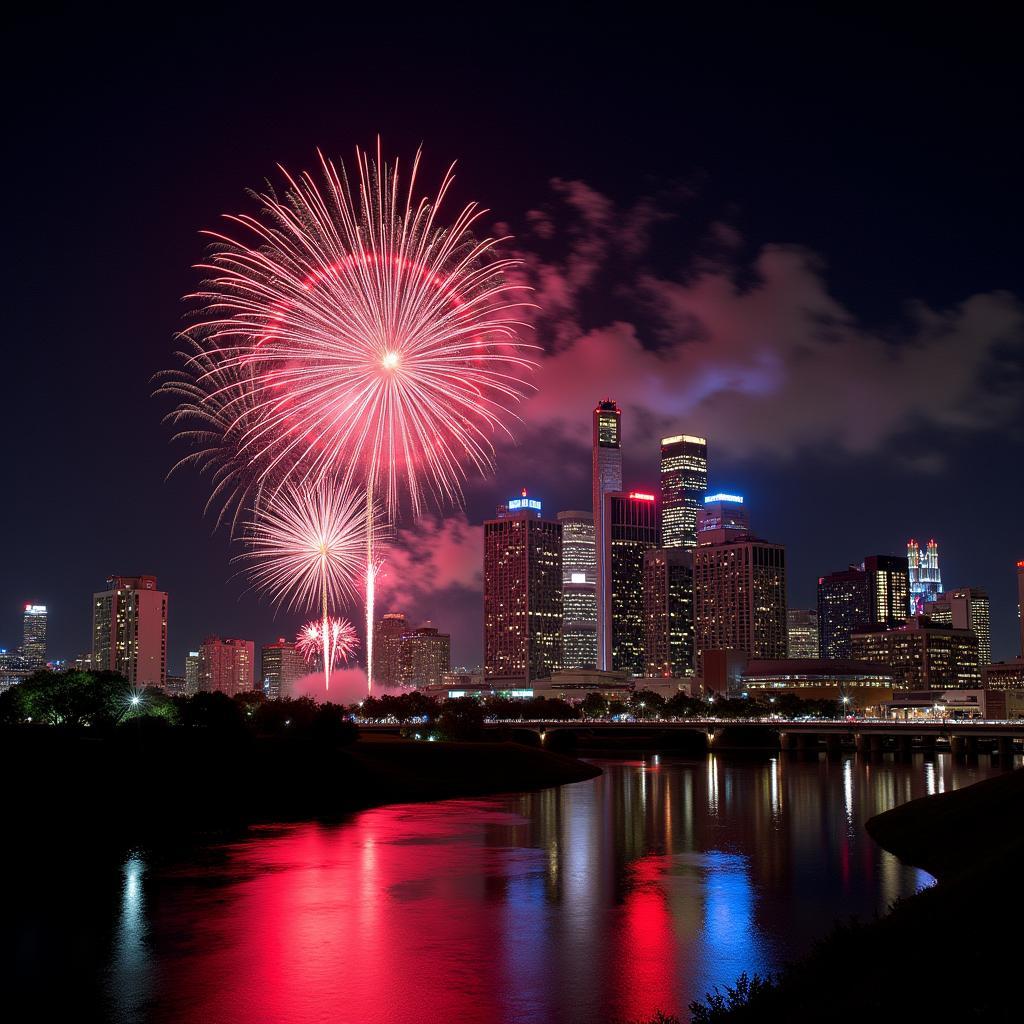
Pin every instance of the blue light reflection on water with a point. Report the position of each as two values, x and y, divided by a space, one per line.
610 899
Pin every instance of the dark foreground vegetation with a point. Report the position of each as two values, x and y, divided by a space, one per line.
87 758
949 953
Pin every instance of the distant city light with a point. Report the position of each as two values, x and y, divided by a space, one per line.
579 577
640 496
723 497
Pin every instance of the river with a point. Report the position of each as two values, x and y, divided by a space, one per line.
597 902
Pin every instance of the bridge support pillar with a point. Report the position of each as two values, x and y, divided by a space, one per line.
972 745
833 744
928 742
787 742
958 747
905 746
1004 750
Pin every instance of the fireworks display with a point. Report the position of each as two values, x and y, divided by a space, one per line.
375 340
341 641
348 337
305 545
304 548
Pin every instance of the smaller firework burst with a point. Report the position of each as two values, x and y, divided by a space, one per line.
341 642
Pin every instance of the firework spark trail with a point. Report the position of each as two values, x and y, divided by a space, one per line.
353 334
341 641
305 547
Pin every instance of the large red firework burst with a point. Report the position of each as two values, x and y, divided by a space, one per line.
373 338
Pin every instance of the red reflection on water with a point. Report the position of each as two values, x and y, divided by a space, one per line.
647 946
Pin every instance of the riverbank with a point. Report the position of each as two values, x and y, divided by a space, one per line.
941 954
170 785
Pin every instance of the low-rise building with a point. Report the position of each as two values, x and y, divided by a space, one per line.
859 685
921 654
1004 675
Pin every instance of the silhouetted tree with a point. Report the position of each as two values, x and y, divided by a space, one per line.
461 719
214 710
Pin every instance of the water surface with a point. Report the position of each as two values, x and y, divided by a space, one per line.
600 901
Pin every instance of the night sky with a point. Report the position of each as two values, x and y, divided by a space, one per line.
798 236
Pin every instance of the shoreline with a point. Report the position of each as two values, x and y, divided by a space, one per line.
121 791
933 955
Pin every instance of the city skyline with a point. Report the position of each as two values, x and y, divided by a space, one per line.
688 273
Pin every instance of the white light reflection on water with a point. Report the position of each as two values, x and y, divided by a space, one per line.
130 971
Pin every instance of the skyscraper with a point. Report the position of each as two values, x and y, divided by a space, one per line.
280 666
888 588
579 590
965 608
684 481
522 594
192 672
668 612
739 586
226 665
607 477
842 608
1020 603
387 648
802 630
925 577
632 527
426 657
33 632
876 592
129 630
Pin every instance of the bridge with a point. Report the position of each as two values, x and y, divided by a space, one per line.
963 737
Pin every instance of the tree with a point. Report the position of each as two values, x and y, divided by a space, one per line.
332 727
461 719
594 705
211 710
646 704
74 699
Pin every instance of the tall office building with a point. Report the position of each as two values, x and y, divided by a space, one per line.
965 608
876 592
724 515
802 633
226 665
281 665
33 633
888 589
1020 603
632 527
739 584
129 630
387 648
607 477
579 590
425 657
522 594
668 612
684 482
925 576
842 608
192 672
